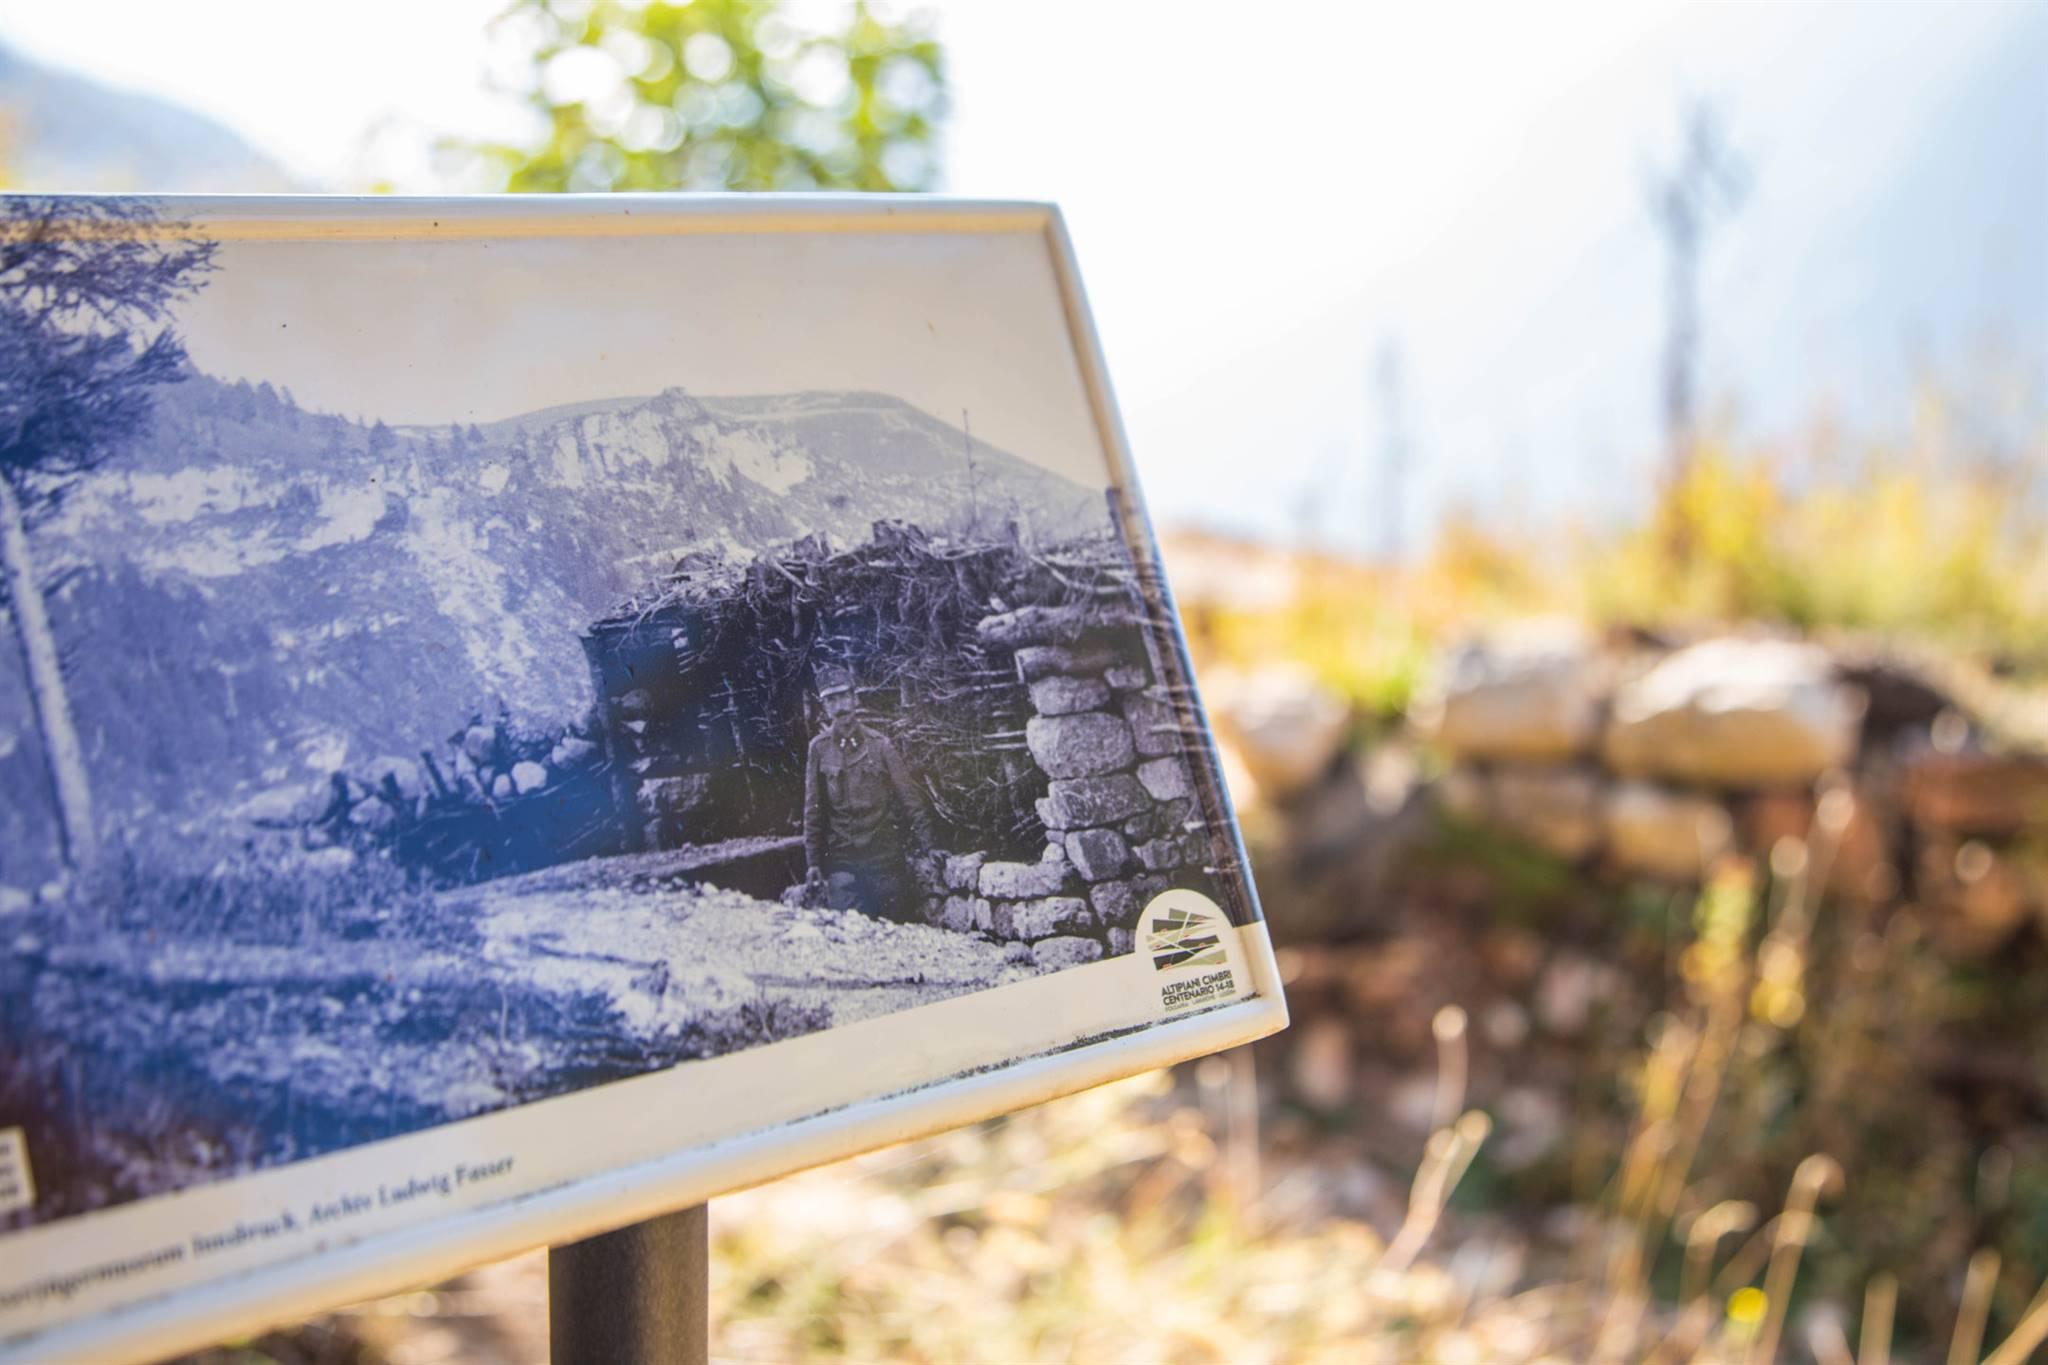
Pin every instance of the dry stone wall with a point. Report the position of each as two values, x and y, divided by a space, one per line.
1120 812
1657 763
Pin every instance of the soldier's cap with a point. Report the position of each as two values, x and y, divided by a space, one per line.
830 678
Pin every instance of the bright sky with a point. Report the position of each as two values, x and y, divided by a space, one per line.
474 330
1262 195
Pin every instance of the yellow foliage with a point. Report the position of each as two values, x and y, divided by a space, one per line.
1898 546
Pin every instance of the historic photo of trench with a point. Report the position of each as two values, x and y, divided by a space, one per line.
359 774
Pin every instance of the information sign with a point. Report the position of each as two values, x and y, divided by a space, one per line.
518 715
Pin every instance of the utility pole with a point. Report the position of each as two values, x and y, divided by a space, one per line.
1707 183
1393 480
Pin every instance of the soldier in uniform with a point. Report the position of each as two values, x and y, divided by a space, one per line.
859 806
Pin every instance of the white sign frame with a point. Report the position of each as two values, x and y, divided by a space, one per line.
1069 1043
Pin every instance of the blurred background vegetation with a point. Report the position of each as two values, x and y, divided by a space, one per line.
720 95
1552 1092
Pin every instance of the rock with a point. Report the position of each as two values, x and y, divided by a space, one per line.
1161 855
1530 696
528 776
1155 729
963 914
464 1098
1978 793
963 871
1116 902
673 798
571 752
1065 950
375 816
1980 897
1042 661
1168 779
1127 677
1168 817
1018 954
329 861
14 900
1146 825
1098 854
1060 695
1121 941
1036 919
1054 852
1664 833
1123 901
1285 726
1556 809
1852 839
403 772
480 743
1735 713
1081 802
1047 814
1018 881
1049 625
638 704
1085 745
1770 818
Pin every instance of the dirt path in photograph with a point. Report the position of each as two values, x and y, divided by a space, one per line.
664 951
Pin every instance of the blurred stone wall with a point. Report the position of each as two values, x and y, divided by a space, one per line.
1640 761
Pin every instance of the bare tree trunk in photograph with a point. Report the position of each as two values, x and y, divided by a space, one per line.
62 752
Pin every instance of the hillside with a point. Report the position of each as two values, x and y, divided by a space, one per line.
256 594
66 131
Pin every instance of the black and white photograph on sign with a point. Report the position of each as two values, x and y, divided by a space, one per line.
443 675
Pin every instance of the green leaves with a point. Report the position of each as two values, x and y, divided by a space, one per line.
719 95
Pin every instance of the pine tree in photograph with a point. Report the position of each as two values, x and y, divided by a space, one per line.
86 288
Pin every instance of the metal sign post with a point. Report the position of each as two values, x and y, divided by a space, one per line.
637 1296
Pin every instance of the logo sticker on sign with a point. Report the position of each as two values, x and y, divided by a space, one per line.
1196 958
17 1185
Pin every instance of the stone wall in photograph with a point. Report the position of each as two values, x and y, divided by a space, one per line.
1120 813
